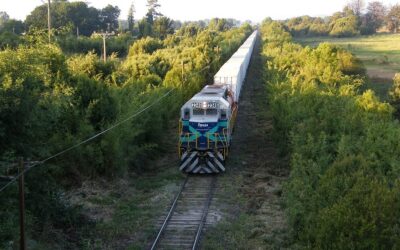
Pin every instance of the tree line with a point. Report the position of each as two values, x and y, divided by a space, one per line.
355 19
343 145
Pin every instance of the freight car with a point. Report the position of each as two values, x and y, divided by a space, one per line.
207 119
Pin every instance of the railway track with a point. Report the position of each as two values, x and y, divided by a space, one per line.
184 223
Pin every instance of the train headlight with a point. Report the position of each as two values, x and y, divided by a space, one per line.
205 104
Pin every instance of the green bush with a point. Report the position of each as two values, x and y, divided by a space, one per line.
343 188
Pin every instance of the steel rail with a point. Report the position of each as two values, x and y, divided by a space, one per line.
204 215
171 211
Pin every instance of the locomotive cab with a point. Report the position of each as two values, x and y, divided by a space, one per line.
204 123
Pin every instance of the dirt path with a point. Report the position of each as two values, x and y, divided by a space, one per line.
250 192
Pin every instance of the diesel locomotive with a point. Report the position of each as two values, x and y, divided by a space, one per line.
207 119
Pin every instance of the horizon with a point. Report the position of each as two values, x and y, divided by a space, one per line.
191 10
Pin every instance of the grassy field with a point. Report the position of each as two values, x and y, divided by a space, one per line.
379 53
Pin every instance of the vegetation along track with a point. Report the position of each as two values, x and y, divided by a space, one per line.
187 216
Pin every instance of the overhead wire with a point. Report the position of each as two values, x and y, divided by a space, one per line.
37 163
141 110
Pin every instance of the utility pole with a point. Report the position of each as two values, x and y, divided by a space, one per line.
105 35
104 47
49 20
22 239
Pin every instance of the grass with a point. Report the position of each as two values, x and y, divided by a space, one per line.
132 209
380 54
252 217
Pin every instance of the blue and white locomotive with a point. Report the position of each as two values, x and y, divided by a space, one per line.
208 118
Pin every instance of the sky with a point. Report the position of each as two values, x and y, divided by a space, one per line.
185 10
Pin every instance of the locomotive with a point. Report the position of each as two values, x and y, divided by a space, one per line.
207 119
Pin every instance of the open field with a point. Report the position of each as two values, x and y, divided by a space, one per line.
379 53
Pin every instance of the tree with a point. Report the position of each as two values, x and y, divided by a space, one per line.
63 13
85 19
109 18
145 29
162 27
373 19
378 12
393 19
4 17
131 20
13 26
345 27
152 11
220 24
357 6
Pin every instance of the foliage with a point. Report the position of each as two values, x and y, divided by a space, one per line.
131 17
393 18
351 21
343 187
78 15
152 11
395 91
49 102
345 27
115 44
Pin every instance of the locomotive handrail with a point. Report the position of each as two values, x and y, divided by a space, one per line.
187 136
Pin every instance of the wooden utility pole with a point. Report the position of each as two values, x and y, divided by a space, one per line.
105 35
49 20
104 47
22 241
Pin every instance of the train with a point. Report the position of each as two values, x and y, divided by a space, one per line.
207 120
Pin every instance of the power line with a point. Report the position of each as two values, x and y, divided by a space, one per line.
102 132
85 141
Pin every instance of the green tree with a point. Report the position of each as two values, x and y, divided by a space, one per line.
13 26
162 27
357 6
85 19
373 19
393 19
131 19
345 27
109 18
145 28
152 11
4 17
220 24
77 15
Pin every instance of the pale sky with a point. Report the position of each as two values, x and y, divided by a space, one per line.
255 10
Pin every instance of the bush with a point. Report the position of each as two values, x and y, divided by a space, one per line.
343 188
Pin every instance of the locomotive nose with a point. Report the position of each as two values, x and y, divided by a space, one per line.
205 129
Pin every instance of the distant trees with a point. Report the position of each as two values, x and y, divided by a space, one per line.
76 15
355 19
131 17
109 18
357 6
155 24
10 29
162 27
345 26
4 17
221 24
152 11
393 19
